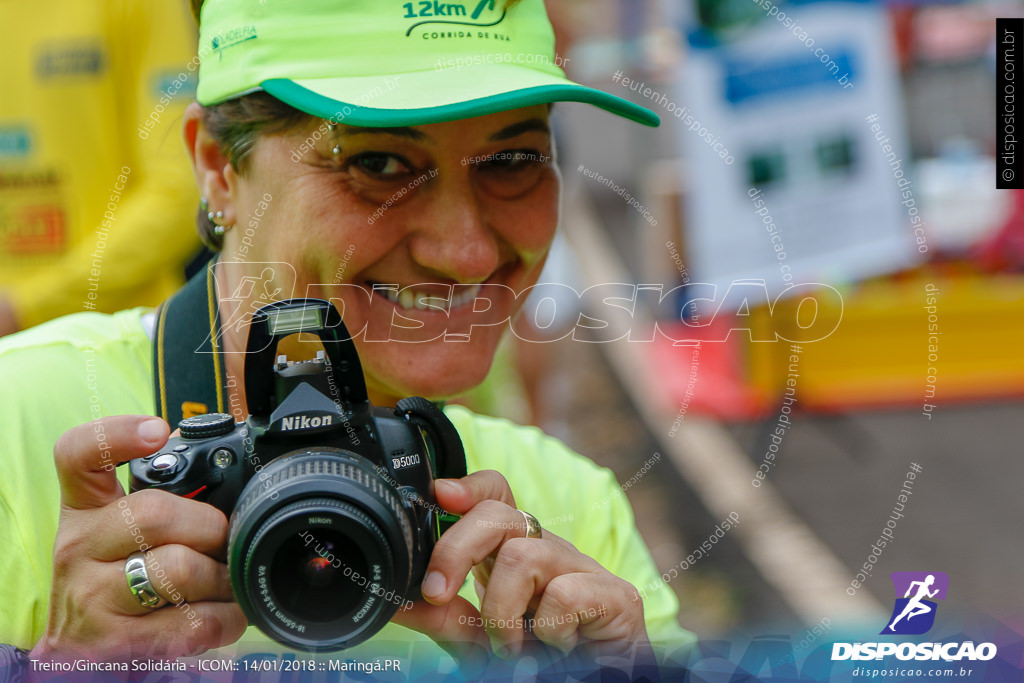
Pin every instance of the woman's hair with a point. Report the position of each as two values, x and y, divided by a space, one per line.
238 123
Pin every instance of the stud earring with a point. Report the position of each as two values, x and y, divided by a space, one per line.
336 150
216 217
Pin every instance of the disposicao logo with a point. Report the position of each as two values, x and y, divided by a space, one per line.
914 614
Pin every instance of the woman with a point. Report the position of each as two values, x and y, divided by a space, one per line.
437 181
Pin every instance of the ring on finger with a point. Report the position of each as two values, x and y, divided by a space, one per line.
139 583
533 528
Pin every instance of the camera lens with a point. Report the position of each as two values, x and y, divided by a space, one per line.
311 579
321 550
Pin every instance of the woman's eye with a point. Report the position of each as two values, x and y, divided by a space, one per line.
380 164
514 159
514 172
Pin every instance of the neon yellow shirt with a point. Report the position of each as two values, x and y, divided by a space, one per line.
92 164
90 365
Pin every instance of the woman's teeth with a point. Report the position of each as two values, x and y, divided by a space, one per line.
468 294
410 299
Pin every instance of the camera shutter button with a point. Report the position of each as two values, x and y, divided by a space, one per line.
164 461
165 466
207 426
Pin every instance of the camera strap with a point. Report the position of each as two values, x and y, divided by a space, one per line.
187 366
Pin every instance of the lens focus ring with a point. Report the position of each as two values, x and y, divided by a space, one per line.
319 464
321 550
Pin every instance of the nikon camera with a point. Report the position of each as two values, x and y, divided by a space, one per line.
331 500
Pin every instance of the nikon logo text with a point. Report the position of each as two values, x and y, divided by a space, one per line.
304 422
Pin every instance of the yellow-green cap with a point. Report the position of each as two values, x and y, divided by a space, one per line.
388 63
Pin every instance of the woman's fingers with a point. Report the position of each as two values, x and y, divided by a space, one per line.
456 627
479 533
214 624
86 456
522 573
460 495
150 519
595 607
572 598
92 610
172 631
176 573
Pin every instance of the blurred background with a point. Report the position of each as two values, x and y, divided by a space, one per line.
874 159
849 144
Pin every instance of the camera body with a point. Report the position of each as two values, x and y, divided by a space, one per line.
331 500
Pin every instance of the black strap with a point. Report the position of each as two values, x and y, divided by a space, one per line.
188 366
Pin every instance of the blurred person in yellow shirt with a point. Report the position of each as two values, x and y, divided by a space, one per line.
94 181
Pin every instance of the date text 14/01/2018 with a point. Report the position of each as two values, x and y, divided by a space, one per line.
268 662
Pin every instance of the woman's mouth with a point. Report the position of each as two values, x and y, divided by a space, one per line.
426 297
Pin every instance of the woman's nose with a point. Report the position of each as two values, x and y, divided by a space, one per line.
452 236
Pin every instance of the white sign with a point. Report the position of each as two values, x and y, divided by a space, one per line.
815 191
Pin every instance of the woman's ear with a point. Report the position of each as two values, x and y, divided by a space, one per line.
216 178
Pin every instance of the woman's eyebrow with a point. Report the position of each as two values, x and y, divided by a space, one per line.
506 133
517 129
403 132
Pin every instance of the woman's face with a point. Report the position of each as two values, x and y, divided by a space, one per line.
433 210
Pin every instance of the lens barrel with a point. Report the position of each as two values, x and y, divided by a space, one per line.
318 541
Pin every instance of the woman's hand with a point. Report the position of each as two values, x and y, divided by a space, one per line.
572 600
92 611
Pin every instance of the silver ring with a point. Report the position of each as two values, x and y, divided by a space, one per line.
139 584
533 528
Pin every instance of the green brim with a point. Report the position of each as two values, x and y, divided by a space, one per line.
437 96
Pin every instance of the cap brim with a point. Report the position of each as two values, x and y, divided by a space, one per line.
437 96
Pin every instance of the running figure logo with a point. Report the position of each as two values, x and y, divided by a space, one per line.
914 613
251 293
249 290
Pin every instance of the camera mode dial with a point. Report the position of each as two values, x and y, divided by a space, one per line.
206 426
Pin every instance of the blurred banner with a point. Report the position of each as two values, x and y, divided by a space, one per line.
804 98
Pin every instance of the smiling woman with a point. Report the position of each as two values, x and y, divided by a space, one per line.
407 215
447 225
